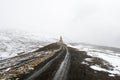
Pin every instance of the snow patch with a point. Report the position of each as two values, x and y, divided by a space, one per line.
84 63
108 55
98 68
111 75
89 59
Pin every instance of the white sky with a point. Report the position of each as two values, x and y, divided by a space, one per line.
92 21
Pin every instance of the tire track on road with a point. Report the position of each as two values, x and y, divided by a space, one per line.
37 75
61 74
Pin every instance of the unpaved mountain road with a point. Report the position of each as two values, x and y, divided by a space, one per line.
54 69
66 64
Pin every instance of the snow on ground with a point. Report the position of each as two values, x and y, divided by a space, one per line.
14 42
108 55
89 59
98 68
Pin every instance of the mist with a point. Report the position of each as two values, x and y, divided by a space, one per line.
90 21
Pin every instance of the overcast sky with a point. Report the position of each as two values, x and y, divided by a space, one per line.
92 21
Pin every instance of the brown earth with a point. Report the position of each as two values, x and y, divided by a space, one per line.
76 71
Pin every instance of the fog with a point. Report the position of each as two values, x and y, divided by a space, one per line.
90 21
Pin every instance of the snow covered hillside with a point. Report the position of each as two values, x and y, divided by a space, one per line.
13 43
109 58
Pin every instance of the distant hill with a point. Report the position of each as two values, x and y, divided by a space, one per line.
15 42
97 46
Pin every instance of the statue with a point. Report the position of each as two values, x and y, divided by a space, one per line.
61 40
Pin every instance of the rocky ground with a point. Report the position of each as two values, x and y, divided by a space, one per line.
80 71
61 62
23 64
